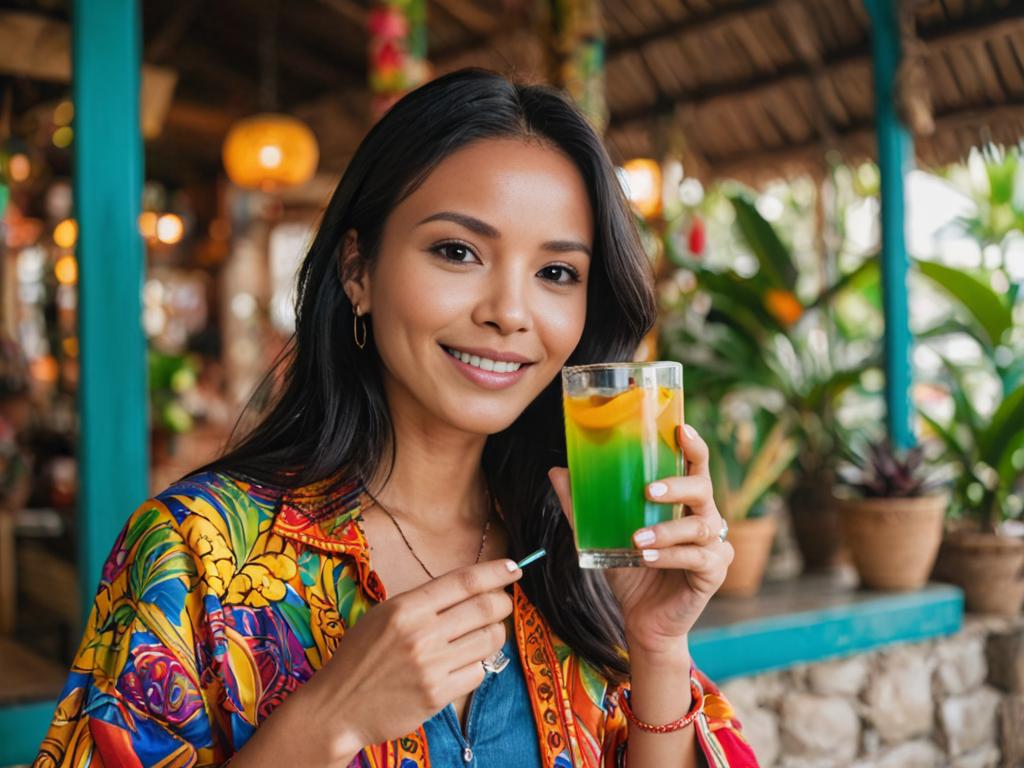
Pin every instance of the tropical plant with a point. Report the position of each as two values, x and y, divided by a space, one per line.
987 452
994 178
754 333
881 471
986 307
982 314
749 452
170 377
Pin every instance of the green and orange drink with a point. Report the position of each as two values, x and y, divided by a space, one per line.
620 430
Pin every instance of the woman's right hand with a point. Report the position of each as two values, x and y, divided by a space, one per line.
405 660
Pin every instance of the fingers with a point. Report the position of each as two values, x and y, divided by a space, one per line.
695 450
694 491
559 477
698 559
467 678
476 646
478 611
694 529
463 583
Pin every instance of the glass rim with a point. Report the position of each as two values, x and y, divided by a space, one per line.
656 364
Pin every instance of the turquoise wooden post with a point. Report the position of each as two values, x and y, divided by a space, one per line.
112 451
895 155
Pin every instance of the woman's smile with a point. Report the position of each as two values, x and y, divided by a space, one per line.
489 369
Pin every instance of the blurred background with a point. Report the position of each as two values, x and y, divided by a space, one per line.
831 193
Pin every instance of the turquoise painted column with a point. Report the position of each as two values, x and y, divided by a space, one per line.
112 450
895 155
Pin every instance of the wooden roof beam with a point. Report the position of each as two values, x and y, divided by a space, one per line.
470 16
693 23
1001 22
860 134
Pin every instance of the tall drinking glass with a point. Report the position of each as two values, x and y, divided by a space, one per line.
620 430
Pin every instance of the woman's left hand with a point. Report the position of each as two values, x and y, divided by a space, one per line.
685 562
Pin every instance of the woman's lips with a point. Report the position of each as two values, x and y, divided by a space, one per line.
486 379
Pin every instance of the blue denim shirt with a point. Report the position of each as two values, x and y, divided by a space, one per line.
500 732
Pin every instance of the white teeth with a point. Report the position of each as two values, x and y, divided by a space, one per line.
483 363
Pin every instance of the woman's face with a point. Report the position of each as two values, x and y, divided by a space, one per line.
483 267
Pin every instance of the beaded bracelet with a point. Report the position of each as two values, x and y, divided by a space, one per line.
697 707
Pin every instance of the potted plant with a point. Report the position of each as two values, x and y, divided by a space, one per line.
979 553
750 450
892 509
766 336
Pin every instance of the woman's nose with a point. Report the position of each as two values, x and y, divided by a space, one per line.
505 306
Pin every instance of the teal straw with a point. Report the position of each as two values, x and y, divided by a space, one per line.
531 557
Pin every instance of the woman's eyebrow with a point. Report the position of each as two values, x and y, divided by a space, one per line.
471 223
484 229
565 246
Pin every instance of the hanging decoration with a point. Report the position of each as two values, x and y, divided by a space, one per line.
575 52
397 50
270 150
698 236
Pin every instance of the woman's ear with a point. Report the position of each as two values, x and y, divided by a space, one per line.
355 278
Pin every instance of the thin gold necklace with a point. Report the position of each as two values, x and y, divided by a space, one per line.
479 552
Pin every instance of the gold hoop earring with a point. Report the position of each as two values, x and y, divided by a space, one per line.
358 329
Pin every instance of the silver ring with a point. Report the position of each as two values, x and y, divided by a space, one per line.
724 533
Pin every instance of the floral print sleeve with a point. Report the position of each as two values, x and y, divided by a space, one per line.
140 692
719 739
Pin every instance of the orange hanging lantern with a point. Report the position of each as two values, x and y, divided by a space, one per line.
642 178
269 151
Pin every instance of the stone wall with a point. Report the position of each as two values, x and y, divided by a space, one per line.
957 701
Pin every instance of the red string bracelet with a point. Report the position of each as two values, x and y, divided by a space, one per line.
696 708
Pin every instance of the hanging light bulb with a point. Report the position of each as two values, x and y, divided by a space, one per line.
642 180
270 150
65 234
170 229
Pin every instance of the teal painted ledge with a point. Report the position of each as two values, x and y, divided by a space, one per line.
22 727
810 620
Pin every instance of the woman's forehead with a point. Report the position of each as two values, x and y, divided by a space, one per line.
511 184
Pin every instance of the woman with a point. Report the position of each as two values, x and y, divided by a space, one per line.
327 592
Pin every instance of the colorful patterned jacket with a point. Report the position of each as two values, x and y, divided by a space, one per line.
221 597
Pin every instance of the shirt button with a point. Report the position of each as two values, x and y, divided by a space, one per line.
467 755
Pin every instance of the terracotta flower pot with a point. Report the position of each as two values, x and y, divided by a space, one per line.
893 542
988 567
752 539
815 515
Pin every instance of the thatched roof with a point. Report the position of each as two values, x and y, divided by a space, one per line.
736 87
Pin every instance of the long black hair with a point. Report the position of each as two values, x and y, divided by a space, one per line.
327 416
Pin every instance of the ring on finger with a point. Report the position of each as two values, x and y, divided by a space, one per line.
724 533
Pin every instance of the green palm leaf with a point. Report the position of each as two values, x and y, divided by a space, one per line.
761 237
1006 425
983 305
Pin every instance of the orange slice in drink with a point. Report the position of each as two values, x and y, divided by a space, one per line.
597 412
669 416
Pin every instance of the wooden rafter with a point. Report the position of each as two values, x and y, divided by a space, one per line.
473 18
695 23
348 9
861 134
1006 21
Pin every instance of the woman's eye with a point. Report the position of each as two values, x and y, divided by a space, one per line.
559 273
456 252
